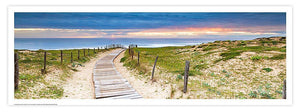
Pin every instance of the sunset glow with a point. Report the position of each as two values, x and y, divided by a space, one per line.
148 25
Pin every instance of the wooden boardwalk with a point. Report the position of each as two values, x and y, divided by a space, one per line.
109 84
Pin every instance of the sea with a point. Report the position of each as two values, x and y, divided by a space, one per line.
79 43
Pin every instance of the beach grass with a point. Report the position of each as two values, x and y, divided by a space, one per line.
220 69
35 85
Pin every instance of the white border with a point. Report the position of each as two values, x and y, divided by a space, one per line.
287 9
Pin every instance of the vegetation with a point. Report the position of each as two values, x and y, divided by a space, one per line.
34 85
267 69
222 69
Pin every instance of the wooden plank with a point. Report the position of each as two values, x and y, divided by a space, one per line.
107 77
107 87
104 72
106 69
99 90
129 96
103 95
113 90
109 83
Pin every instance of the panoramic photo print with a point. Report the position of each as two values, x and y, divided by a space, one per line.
150 55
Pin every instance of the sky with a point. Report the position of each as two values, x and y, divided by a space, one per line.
149 25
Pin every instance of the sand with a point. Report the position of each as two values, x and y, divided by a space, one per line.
80 85
145 87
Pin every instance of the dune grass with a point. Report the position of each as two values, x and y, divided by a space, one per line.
212 75
34 85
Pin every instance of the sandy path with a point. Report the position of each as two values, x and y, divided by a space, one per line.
143 86
80 85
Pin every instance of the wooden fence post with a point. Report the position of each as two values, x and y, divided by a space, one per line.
284 90
186 75
16 71
94 51
78 54
84 52
88 51
98 49
132 52
61 57
43 71
154 68
129 50
71 57
45 61
138 57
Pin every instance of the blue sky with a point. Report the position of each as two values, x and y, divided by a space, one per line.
148 25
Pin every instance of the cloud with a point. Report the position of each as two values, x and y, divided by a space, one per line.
187 32
147 20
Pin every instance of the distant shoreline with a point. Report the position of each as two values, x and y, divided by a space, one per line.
151 45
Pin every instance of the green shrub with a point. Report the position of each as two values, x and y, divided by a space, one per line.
255 58
230 55
212 74
123 59
178 77
204 84
227 75
201 66
267 69
224 71
278 57
274 42
253 94
209 48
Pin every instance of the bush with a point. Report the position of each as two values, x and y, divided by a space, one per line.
267 69
201 66
178 77
254 58
230 55
123 59
253 94
278 57
209 48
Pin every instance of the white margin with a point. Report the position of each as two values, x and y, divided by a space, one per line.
289 60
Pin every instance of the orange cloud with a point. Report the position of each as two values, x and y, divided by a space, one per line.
188 32
201 31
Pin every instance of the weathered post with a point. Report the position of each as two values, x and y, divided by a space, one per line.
132 52
186 75
284 90
138 57
78 56
16 71
71 57
43 71
84 52
98 49
94 51
88 51
136 46
61 57
129 50
45 60
154 68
